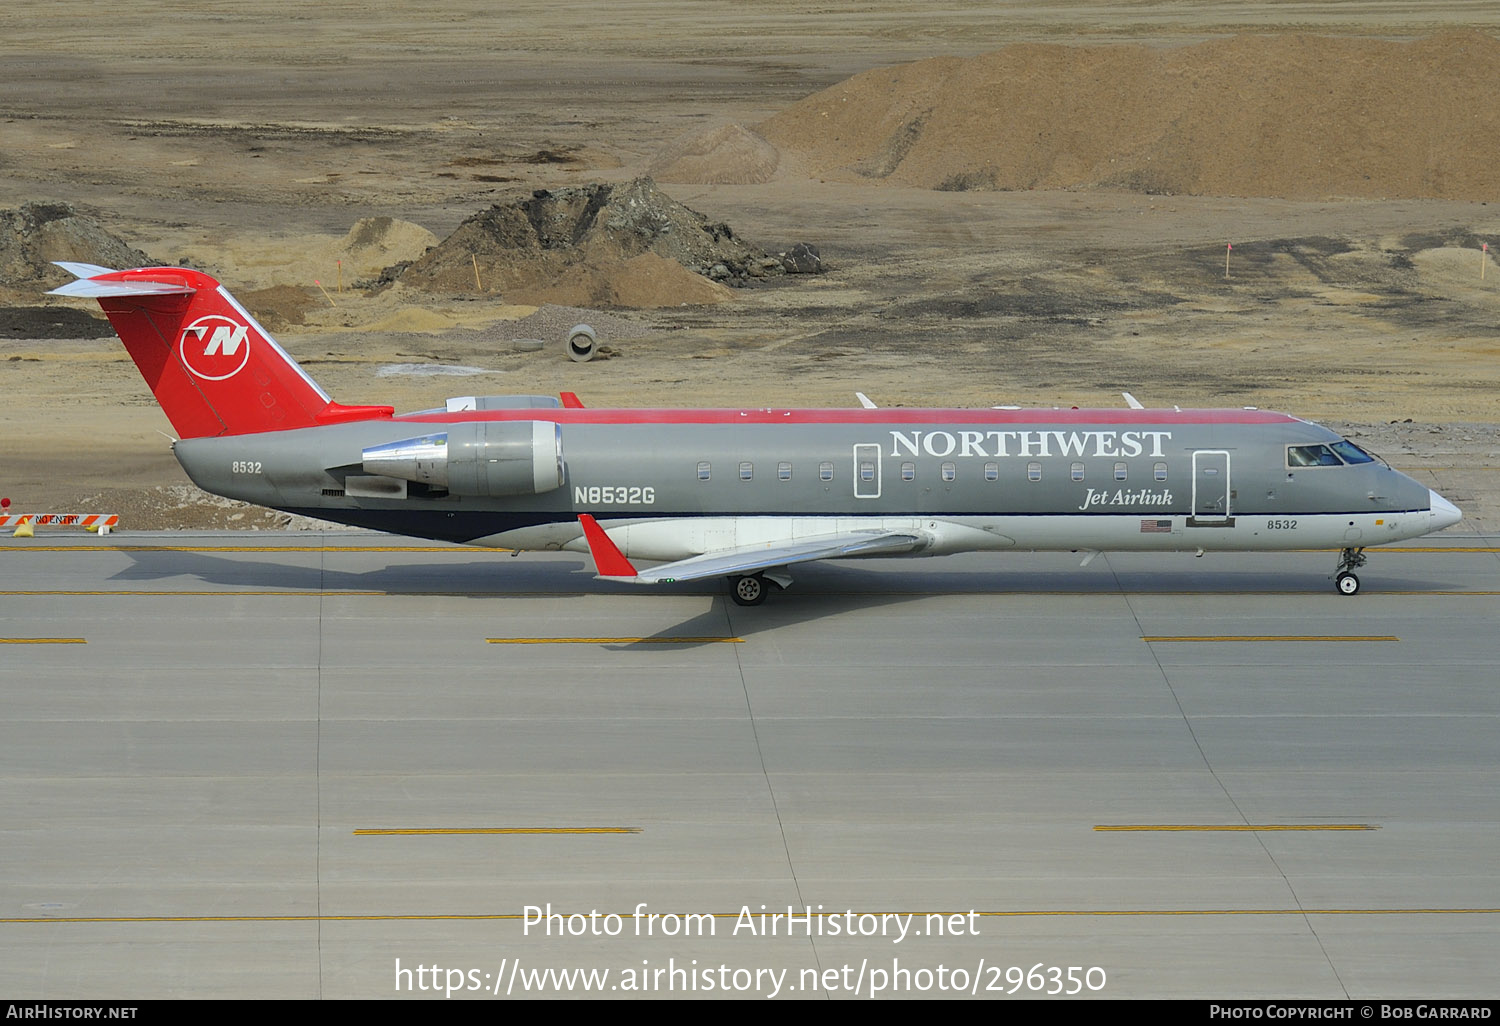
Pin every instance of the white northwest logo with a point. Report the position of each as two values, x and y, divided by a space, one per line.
214 347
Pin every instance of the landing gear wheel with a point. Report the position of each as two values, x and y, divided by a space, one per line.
1344 580
748 591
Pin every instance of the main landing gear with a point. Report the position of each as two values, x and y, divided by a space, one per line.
1344 579
749 590
752 589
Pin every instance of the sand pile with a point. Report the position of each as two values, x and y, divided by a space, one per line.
262 262
1288 115
375 243
32 237
626 245
281 306
727 155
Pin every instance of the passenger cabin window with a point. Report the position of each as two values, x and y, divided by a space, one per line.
747 470
992 471
703 471
950 471
1161 471
908 471
784 471
825 471
1311 456
866 470
1119 471
1033 471
1078 472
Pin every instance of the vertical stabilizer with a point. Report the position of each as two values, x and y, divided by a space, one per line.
212 367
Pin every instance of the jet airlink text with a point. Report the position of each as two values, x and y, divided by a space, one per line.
1121 497
1000 444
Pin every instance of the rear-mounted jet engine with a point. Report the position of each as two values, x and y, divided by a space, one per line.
477 458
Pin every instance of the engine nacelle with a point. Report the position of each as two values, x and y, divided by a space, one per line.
518 457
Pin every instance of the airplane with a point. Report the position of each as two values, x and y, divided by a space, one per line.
742 493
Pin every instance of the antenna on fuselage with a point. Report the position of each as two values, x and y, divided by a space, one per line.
1132 401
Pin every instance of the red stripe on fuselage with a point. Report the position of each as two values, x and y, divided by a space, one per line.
881 416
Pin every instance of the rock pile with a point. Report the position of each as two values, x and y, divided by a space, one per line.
627 245
32 237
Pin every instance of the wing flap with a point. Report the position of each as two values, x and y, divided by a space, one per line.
610 563
751 559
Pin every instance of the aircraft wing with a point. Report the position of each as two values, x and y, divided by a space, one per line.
746 559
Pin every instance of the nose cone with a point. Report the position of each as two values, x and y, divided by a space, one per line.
1444 513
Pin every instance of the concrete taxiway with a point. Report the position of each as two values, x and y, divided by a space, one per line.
343 765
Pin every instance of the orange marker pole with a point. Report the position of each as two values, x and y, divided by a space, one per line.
341 277
1484 258
478 287
1227 247
325 293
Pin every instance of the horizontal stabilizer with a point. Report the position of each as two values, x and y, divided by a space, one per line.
88 288
79 270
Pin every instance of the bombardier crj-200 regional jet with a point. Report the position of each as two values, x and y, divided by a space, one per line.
742 494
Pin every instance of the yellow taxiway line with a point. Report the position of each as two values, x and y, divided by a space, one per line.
43 641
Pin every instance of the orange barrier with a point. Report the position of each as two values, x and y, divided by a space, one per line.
24 522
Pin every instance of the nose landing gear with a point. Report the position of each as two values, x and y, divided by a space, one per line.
1344 579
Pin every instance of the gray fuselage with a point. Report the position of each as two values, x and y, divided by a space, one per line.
1205 479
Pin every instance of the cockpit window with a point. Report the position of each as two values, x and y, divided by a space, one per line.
1351 452
1311 456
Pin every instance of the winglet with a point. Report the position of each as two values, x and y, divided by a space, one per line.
570 400
609 561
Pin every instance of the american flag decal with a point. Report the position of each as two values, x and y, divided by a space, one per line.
1156 527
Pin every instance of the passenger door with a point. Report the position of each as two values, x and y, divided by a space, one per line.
1211 491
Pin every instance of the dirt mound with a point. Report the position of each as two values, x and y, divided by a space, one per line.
51 322
375 243
650 281
32 237
1288 115
588 246
281 306
726 155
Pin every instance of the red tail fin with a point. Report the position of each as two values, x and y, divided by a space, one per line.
213 369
